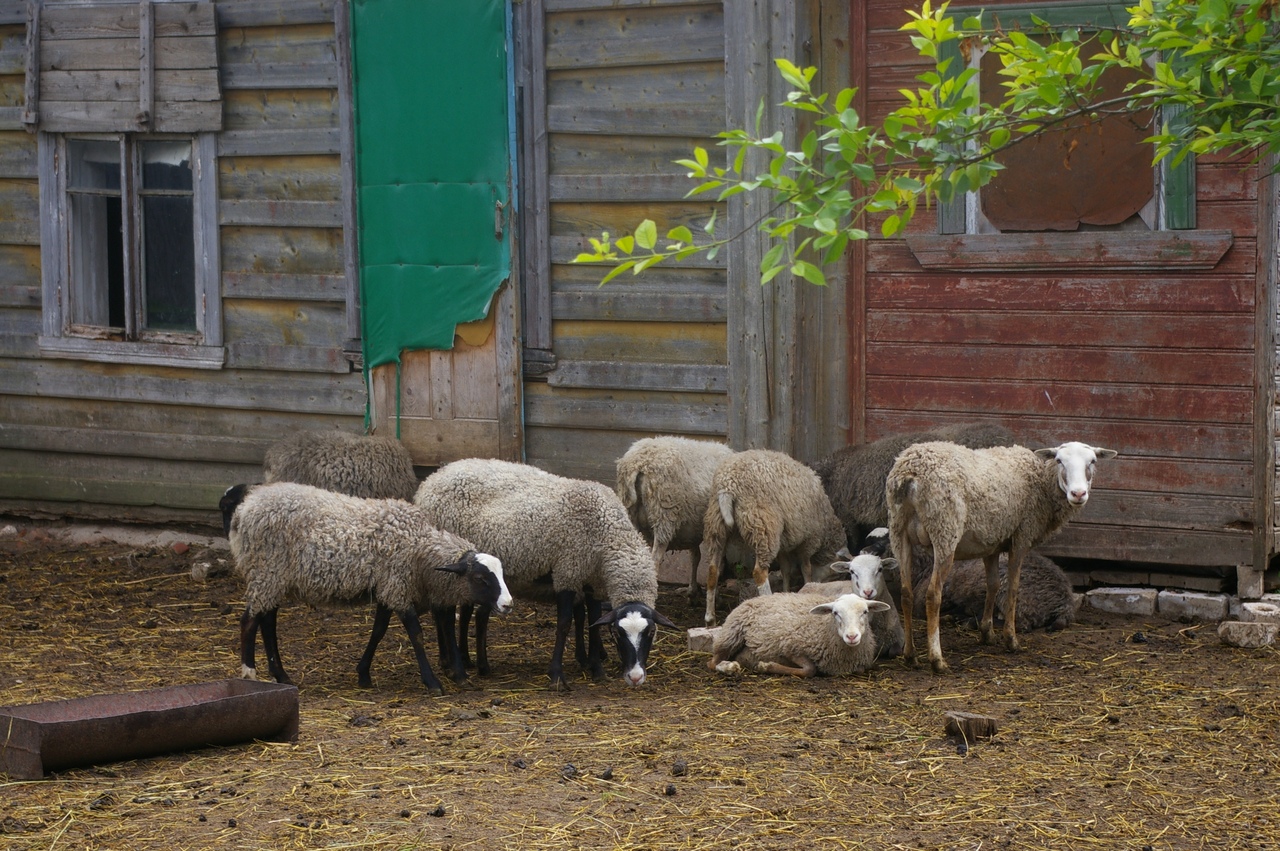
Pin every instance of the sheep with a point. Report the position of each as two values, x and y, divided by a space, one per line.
775 506
373 467
1045 597
317 546
868 578
577 532
853 477
978 503
665 483
788 634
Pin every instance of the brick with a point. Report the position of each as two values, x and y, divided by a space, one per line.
1259 612
1124 601
1247 635
702 638
1193 605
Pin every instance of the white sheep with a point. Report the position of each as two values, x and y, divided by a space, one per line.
292 541
853 476
868 578
665 483
775 506
373 466
576 532
978 503
788 634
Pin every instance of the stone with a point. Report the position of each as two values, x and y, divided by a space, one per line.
702 638
1246 634
1124 601
1194 605
1260 612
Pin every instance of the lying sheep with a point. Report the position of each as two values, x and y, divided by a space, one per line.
868 578
665 483
292 541
576 532
853 477
776 507
978 503
372 467
1045 597
788 634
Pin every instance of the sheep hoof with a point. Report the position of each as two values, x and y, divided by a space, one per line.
940 666
1011 643
560 686
729 669
247 673
435 691
365 682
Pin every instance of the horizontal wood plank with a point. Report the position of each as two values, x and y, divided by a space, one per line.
1146 545
699 378
284 286
121 54
283 323
565 248
181 85
279 142
618 303
633 187
639 121
282 213
282 251
266 13
645 342
281 75
18 295
312 393
1091 251
635 36
1110 401
1231 368
433 443
606 413
114 116
278 178
274 356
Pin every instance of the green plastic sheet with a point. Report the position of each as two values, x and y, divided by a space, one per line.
432 168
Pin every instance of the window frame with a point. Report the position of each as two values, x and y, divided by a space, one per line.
1175 185
60 339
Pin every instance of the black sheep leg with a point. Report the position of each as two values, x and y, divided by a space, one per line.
412 626
248 638
564 623
450 653
580 635
272 646
464 623
381 619
482 642
595 654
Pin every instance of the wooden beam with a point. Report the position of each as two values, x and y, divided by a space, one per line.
1249 580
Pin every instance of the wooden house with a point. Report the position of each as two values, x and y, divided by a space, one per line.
378 205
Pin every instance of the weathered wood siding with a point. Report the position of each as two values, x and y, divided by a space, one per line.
1157 363
628 88
115 440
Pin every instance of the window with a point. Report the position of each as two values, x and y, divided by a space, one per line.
130 251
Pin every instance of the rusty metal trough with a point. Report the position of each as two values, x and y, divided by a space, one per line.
40 737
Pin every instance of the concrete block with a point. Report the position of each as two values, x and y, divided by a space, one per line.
1260 612
701 638
1077 602
1124 601
675 567
1247 635
1193 605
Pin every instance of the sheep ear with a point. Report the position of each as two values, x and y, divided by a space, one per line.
1047 454
888 564
822 609
839 567
606 619
1105 453
459 568
660 618
877 606
844 555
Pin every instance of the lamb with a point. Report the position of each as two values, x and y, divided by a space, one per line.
868 579
788 634
574 531
853 477
776 507
317 546
978 503
665 483
373 467
1045 597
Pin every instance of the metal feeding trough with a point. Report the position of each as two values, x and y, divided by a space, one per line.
41 737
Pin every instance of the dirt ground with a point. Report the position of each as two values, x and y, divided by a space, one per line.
1117 733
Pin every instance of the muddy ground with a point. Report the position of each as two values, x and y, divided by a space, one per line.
1117 733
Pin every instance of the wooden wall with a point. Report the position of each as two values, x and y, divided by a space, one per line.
614 92
120 441
1157 362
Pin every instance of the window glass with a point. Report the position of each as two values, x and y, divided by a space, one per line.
168 238
97 234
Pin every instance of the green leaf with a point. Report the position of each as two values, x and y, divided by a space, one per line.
679 234
891 225
809 272
626 244
616 271
647 235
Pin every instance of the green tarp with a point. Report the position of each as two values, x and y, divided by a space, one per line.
432 167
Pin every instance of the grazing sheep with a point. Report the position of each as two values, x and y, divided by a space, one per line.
576 532
853 477
665 483
868 579
292 541
372 467
978 503
776 507
788 634
1045 597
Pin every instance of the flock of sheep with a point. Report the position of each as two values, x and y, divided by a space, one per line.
343 518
